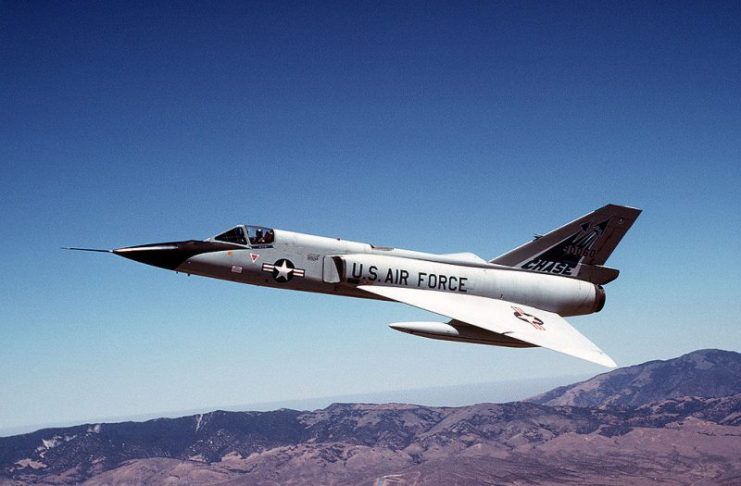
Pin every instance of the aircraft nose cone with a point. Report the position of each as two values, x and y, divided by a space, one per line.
163 255
170 255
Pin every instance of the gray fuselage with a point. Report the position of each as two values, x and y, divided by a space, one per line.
310 263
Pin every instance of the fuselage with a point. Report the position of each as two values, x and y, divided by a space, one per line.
297 261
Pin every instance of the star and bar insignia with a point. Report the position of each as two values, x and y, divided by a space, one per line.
534 321
283 270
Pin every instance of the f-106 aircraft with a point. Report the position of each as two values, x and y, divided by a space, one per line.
516 300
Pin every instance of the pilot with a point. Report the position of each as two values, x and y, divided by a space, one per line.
259 237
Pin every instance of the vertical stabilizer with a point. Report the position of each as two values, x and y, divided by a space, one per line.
578 249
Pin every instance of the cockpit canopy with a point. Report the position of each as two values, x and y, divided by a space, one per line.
252 236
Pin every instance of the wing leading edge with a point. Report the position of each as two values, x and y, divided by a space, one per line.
517 321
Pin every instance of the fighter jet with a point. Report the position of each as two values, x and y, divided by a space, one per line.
518 299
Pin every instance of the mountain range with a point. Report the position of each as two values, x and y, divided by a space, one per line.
672 421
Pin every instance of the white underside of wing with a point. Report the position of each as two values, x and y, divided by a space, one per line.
522 322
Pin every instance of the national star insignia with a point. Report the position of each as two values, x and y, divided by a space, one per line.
283 270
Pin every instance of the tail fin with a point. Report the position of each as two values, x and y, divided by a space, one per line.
578 249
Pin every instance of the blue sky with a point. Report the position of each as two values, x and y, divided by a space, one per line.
442 126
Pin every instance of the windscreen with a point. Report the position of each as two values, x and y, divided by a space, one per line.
234 235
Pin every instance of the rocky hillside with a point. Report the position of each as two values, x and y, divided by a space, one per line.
705 373
689 439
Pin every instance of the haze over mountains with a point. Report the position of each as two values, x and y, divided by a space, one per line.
708 373
675 420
